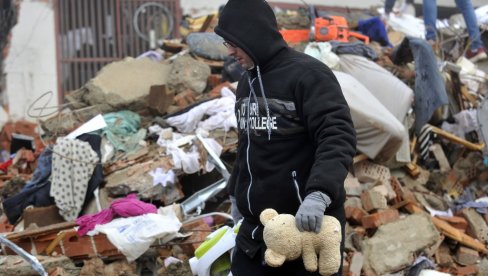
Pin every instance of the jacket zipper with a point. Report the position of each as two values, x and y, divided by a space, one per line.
294 176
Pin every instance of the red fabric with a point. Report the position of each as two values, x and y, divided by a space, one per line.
129 206
4 166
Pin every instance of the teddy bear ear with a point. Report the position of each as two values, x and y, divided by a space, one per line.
266 215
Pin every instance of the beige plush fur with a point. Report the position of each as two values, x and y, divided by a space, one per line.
284 242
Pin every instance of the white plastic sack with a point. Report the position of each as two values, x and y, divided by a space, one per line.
133 236
393 93
379 134
323 52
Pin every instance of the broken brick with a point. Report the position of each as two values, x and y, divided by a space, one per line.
467 256
354 215
373 200
380 218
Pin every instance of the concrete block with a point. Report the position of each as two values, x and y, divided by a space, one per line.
188 73
380 218
353 202
366 171
373 200
478 228
126 83
352 186
394 245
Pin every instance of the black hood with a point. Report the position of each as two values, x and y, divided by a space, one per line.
251 25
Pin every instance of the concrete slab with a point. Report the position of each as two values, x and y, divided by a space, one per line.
393 246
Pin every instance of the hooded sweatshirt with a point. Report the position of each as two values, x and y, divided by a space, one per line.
295 130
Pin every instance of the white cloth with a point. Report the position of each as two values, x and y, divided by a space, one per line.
163 178
72 167
323 52
220 112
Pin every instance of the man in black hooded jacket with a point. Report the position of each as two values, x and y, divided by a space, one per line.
296 137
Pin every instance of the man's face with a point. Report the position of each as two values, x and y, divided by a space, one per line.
244 60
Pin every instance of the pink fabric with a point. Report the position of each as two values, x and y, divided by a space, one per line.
129 206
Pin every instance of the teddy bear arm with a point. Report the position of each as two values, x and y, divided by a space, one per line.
273 258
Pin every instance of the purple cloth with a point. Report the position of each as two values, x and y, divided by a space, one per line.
125 207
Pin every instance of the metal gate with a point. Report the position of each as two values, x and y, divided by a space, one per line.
93 33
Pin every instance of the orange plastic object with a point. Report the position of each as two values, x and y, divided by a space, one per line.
295 36
326 29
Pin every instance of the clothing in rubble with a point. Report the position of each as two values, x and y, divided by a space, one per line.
430 91
36 192
296 136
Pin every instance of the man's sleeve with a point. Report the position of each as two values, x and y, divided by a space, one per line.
327 119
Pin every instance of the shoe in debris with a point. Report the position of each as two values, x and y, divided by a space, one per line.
476 55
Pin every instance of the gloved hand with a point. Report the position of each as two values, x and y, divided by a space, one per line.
311 212
234 212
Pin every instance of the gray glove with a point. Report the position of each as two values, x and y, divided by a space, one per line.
234 212
311 212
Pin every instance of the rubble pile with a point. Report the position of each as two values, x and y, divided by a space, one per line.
129 176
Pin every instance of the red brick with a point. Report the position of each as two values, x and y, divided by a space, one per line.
354 214
380 218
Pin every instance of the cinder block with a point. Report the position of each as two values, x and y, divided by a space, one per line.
352 186
381 217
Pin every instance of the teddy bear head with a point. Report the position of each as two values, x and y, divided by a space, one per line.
281 234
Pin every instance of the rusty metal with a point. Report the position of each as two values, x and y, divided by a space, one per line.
93 33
